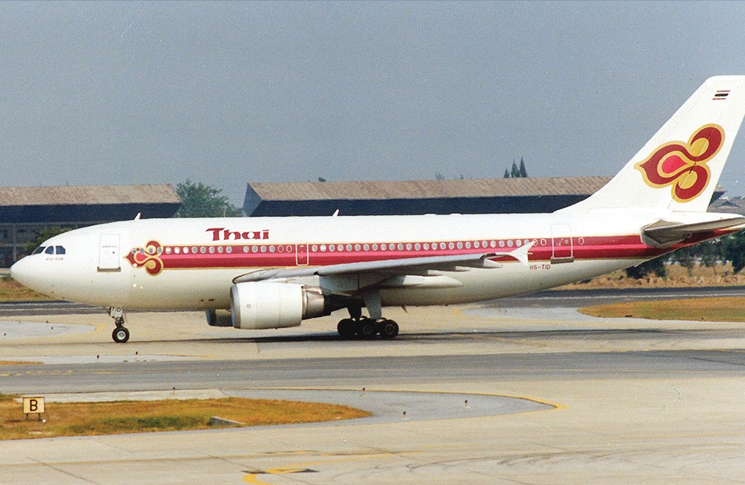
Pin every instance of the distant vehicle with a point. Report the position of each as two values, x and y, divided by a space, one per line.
265 273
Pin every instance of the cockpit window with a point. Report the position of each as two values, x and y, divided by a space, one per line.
50 250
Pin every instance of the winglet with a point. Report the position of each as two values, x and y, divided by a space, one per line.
521 253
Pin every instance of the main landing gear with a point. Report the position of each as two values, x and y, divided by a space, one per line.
367 328
120 333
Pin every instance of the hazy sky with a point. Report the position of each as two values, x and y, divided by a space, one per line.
227 93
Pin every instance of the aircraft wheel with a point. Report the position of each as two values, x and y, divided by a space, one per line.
346 328
120 335
388 329
368 328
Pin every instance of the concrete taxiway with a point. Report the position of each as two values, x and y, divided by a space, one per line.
552 398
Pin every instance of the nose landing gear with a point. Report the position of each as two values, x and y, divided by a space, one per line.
120 333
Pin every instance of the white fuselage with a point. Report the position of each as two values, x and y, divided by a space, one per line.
275 272
190 264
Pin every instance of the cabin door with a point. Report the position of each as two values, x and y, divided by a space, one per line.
301 254
561 242
108 253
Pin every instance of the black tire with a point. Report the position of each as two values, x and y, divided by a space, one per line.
346 328
120 335
368 329
388 329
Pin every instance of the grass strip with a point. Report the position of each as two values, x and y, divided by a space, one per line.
715 309
104 418
11 290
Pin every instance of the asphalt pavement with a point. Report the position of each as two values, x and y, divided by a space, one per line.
608 401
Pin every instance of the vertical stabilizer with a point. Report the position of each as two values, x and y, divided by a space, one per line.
678 169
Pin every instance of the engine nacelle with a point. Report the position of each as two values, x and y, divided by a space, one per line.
267 304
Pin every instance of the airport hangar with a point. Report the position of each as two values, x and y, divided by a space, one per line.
24 211
458 196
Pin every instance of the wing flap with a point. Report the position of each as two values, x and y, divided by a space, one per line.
419 281
419 265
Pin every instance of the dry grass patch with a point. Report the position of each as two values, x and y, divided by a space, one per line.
723 309
11 290
84 419
678 276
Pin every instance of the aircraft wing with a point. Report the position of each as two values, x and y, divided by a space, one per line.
393 267
663 233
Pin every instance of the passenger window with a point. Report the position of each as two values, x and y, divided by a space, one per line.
60 249
50 250
39 250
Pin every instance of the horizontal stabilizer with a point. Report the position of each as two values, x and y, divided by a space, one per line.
663 233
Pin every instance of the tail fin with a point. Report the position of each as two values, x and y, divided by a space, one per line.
679 167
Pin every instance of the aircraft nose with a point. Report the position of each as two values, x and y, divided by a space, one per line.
22 272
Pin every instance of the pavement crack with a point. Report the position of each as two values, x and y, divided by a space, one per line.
60 470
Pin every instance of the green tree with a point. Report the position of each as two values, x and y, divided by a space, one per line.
734 250
710 253
686 257
200 200
42 236
515 172
523 172
655 266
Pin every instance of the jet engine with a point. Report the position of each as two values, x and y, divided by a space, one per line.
267 304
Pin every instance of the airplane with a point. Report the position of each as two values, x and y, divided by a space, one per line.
269 273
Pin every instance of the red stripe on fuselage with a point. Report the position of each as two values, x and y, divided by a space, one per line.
285 255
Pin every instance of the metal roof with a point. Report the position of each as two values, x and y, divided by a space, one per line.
88 195
734 205
426 189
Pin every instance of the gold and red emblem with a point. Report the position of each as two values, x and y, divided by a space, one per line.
147 257
684 166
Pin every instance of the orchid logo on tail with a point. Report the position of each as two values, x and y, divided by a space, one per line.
683 166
